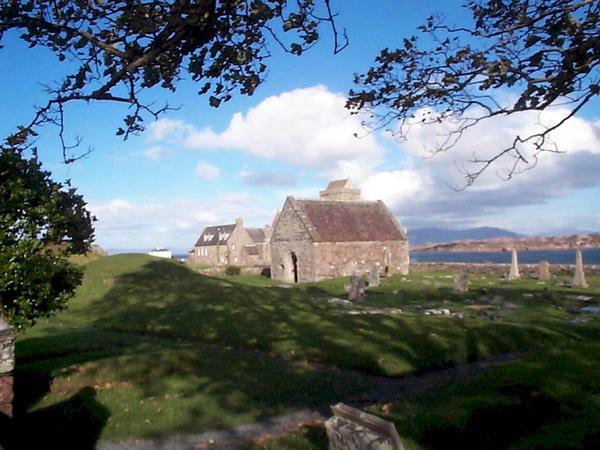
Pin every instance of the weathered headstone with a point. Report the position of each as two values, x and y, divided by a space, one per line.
357 289
543 271
353 429
374 276
513 274
7 364
461 282
579 278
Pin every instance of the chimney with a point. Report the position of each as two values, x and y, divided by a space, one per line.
340 191
239 222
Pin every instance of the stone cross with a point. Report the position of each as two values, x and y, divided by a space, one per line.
513 274
357 289
579 278
543 271
374 276
7 364
353 429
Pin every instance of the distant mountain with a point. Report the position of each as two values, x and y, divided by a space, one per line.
420 236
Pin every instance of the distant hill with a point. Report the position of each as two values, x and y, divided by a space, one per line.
420 236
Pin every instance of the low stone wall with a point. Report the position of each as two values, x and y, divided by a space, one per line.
527 270
220 271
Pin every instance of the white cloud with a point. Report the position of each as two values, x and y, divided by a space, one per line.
207 171
176 224
155 153
303 127
311 128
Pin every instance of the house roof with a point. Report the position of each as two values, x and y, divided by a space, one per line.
256 234
337 221
218 234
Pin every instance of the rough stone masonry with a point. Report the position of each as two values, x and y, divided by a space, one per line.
7 364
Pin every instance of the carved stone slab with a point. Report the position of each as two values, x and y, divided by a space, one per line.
353 429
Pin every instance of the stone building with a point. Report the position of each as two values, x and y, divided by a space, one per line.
232 244
338 235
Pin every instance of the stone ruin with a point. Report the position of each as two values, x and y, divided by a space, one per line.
543 271
374 276
353 429
461 282
579 278
357 289
7 364
513 274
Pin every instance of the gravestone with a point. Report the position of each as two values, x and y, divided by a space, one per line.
461 282
357 289
353 429
7 364
543 271
513 274
374 276
579 278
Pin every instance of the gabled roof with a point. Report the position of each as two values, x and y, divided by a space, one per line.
218 234
337 221
256 234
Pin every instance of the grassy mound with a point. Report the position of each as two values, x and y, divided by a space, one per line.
148 347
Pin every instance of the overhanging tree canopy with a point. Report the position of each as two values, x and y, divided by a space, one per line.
545 52
123 47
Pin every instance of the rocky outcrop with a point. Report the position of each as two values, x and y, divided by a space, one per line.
521 244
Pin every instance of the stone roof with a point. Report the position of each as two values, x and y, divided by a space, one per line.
256 234
218 234
348 221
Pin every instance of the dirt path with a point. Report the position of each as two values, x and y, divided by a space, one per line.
386 389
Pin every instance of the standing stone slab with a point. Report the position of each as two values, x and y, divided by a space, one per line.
357 289
353 429
7 364
579 278
374 277
543 271
461 282
513 274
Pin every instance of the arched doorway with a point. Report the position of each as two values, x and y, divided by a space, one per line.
290 268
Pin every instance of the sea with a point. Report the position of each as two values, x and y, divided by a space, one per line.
589 255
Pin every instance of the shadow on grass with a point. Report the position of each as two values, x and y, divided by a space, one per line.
73 423
225 347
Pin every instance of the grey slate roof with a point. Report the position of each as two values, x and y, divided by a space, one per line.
256 234
218 234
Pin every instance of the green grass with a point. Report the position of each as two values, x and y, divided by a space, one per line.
150 348
548 400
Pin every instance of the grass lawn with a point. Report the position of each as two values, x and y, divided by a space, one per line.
150 348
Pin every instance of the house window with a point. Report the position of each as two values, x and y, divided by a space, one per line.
235 259
208 237
232 246
223 236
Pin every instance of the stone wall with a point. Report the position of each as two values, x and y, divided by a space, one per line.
220 271
7 364
290 237
334 259
527 270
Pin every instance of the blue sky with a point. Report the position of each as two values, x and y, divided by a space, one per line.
201 166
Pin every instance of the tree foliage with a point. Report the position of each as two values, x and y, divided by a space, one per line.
546 52
41 223
124 47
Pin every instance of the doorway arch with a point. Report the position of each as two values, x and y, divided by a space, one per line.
290 267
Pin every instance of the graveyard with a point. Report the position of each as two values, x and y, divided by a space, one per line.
150 349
